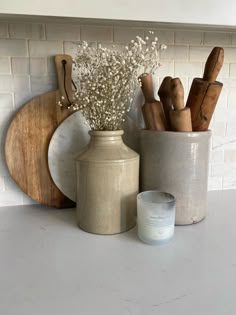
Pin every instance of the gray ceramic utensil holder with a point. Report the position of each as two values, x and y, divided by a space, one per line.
177 163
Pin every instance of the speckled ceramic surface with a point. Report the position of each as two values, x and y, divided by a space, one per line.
68 140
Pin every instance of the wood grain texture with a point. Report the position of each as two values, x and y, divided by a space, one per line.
26 148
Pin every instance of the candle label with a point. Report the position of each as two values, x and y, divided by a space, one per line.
156 227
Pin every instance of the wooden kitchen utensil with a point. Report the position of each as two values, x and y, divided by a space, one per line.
204 93
153 113
164 93
180 117
27 142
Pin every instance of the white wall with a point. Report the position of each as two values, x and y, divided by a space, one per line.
27 69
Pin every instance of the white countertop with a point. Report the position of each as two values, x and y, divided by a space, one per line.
49 266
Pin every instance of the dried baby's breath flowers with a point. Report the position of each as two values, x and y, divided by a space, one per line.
108 78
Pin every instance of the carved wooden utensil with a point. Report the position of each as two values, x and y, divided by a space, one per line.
153 113
164 93
27 142
180 117
204 93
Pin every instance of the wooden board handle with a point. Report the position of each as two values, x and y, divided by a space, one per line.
64 75
177 94
147 87
213 64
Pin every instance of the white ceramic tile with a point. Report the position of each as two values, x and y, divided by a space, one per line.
125 34
188 69
176 52
27 30
66 31
97 33
45 48
16 47
3 30
6 101
189 37
164 36
20 65
5 66
215 183
216 38
230 156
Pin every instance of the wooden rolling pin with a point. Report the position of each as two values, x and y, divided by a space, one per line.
152 109
204 93
164 93
180 117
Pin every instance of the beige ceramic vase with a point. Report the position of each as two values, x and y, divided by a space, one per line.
107 184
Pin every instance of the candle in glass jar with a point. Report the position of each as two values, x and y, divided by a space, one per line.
156 216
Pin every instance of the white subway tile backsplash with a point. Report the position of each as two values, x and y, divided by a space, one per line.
71 48
230 54
37 66
218 128
11 83
11 198
28 31
3 30
166 69
232 70
189 37
229 182
230 156
223 170
125 34
17 47
188 69
165 37
215 38
199 53
43 84
215 183
27 69
2 188
6 101
217 157
5 66
45 48
97 33
224 72
65 31
20 98
176 52
20 65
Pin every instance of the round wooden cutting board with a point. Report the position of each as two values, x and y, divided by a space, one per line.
26 148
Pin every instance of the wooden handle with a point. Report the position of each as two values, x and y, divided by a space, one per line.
177 94
164 93
181 120
64 72
147 87
154 116
213 64
202 100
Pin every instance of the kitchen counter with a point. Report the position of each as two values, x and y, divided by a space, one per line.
49 266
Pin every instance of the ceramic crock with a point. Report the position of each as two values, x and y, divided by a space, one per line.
177 163
107 184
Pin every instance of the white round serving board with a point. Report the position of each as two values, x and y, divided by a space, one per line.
70 137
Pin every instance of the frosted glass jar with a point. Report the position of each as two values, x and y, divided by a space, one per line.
156 216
